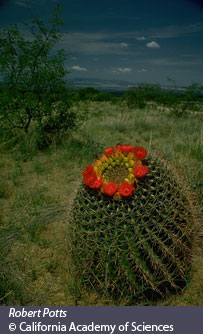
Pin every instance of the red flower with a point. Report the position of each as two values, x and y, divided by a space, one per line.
89 179
119 147
88 170
126 189
110 188
89 175
127 148
97 183
140 153
140 171
109 150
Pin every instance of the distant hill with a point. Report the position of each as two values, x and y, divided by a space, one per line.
109 85
105 85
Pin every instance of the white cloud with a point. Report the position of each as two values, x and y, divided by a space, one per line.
153 45
142 70
22 3
124 45
140 38
123 70
93 43
78 68
174 31
109 43
170 62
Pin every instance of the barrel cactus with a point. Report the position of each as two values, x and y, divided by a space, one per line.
135 239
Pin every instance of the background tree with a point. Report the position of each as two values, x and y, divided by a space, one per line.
32 75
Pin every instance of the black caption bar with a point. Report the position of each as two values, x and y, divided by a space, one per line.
101 319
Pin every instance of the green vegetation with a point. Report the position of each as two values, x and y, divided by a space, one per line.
178 101
140 95
34 100
92 94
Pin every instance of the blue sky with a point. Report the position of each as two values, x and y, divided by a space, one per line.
118 41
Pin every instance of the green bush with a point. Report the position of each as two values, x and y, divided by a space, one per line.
92 94
140 95
86 94
33 94
104 97
178 101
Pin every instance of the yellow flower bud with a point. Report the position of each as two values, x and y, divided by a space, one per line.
138 163
117 196
122 156
131 155
104 178
98 163
131 176
103 158
132 163
117 155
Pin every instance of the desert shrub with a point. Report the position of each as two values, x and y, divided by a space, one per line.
104 97
193 97
92 94
140 95
87 94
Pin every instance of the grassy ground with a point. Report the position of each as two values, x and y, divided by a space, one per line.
36 196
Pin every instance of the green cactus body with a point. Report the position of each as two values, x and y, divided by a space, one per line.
138 247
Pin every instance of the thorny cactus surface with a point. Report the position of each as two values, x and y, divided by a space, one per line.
140 247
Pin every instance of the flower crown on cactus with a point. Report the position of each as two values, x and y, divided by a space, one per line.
117 171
